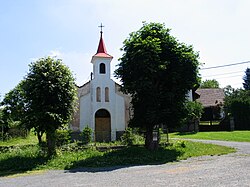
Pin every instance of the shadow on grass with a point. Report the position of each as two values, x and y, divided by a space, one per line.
185 133
126 157
20 164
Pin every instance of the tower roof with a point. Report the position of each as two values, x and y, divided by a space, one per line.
101 50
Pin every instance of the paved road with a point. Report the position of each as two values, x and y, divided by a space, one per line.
226 170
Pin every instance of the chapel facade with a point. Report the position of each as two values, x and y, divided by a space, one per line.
101 104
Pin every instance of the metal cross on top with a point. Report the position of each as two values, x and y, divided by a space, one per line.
101 26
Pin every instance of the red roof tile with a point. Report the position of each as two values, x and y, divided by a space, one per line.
101 50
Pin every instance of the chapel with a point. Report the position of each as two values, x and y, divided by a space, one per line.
101 104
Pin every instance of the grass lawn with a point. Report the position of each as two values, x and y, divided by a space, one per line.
30 140
23 159
238 136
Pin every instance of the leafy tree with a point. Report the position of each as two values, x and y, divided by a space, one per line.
157 71
246 79
1 116
14 107
43 100
228 90
195 110
210 84
1 123
237 105
49 91
14 102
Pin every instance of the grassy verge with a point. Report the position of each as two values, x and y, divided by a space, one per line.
31 158
31 139
238 136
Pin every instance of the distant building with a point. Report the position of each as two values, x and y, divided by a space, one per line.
212 99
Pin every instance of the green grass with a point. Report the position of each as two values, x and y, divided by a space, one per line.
238 136
30 158
30 140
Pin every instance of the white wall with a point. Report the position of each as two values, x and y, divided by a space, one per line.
85 111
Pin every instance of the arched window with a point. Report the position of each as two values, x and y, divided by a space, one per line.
102 68
106 94
98 94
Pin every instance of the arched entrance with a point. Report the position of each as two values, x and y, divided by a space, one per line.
102 126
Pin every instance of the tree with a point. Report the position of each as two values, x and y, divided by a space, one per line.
195 110
14 102
16 109
210 84
228 90
157 71
2 124
237 105
50 93
246 79
13 107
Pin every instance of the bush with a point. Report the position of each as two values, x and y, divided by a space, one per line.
62 137
18 132
131 137
86 135
128 137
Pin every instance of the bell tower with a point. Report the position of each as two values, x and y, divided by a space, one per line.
101 60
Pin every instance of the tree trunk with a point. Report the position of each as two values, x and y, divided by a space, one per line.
149 143
167 135
51 143
39 137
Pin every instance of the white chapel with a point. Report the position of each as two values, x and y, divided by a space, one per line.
101 104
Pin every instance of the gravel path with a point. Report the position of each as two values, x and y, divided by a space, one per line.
226 170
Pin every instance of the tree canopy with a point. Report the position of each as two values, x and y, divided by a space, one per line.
246 79
158 71
237 105
13 108
210 84
228 90
44 100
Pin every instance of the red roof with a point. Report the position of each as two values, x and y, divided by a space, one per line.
101 50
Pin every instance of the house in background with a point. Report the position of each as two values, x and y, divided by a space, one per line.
212 99
101 104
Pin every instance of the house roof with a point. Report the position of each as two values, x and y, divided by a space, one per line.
211 96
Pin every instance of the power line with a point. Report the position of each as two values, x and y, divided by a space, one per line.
225 65
223 74
229 77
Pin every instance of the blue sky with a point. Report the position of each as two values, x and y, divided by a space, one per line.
68 29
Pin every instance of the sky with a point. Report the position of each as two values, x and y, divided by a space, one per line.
68 29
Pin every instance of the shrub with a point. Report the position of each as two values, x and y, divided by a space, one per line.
128 138
86 135
62 137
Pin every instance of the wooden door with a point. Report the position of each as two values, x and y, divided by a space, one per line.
102 126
